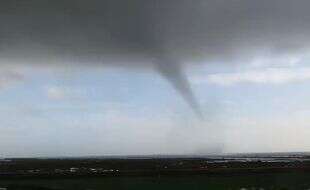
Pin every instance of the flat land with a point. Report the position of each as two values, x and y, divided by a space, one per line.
263 171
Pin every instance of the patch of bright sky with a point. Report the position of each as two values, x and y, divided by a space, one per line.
116 111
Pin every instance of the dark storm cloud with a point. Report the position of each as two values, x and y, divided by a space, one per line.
150 33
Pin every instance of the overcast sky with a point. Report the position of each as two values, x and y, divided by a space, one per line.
82 78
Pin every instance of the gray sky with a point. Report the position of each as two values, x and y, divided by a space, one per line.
153 77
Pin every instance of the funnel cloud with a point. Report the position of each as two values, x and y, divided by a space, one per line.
173 72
